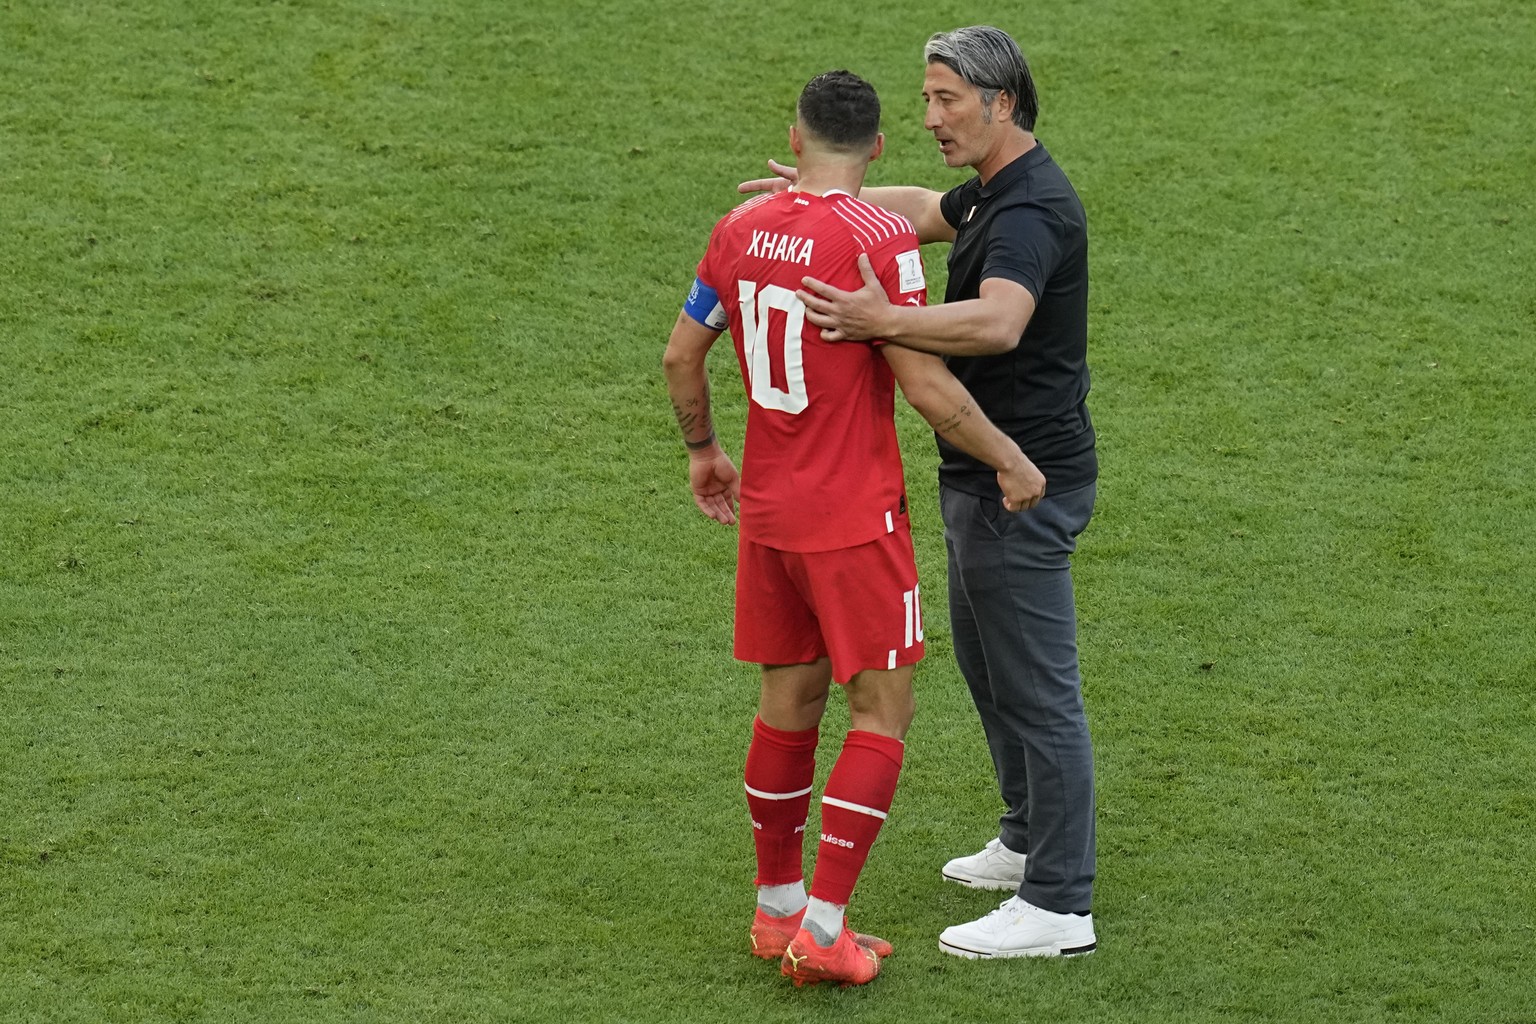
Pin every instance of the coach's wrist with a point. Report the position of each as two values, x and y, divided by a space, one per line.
891 322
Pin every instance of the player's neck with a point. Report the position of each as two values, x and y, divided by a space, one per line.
817 179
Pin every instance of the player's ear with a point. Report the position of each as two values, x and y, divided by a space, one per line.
794 139
874 154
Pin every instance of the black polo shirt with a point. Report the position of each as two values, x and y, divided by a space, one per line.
1026 225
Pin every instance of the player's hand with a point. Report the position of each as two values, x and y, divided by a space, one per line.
847 316
784 176
1023 485
716 485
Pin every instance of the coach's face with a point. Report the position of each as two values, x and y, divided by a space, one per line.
966 130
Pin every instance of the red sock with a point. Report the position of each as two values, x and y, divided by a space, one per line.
781 768
853 808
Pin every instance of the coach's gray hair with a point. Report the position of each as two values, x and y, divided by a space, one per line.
990 60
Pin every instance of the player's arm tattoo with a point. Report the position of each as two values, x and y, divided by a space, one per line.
692 416
693 413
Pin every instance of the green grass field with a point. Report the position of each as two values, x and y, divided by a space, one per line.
363 658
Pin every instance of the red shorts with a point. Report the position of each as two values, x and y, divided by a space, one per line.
858 605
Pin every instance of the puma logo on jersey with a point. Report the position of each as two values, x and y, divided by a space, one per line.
789 248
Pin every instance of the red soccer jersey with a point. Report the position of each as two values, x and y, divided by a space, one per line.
820 468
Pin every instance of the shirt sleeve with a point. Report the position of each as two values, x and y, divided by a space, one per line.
1025 245
703 302
899 265
950 205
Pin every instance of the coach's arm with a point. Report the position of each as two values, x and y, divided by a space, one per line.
987 325
949 408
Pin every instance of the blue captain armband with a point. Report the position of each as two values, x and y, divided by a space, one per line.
704 306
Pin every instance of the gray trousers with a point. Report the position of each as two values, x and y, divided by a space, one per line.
1015 636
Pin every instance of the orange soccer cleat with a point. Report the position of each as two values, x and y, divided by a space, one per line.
846 962
770 936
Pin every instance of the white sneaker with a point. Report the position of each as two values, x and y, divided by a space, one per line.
995 867
1018 928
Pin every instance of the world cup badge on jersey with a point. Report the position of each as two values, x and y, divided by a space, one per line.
910 264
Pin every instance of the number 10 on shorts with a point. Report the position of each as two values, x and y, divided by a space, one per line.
914 606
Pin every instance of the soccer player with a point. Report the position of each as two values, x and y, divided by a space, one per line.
1014 328
826 585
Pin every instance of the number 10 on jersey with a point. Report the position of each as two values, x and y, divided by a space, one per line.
757 306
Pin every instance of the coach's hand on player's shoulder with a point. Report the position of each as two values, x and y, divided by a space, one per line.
784 176
847 316
716 484
1023 485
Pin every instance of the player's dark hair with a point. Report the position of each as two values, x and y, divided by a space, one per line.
840 109
990 60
